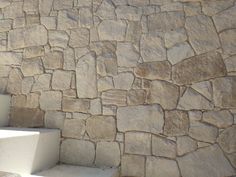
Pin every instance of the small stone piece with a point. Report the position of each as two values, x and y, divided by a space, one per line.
209 160
58 39
79 37
106 130
107 154
123 81
54 119
204 88
31 67
202 34
174 37
199 68
131 118
61 80
227 139
105 83
167 95
106 66
176 123
132 165
73 128
53 60
161 167
75 105
114 97
185 145
95 106
154 70
220 119
112 30
138 143
106 10
77 152
32 52
50 100
136 97
163 147
42 83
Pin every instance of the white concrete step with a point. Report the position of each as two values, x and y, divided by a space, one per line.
26 151
5 103
77 171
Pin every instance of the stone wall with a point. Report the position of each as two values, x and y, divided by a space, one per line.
146 84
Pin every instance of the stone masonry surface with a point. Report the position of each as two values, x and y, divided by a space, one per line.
145 85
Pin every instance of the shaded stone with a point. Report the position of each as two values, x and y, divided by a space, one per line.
45 7
32 52
128 13
31 67
106 10
220 119
154 70
192 8
163 147
95 106
174 37
138 143
161 167
127 55
61 80
132 165
123 81
50 100
203 132
106 130
107 154
227 139
79 37
209 160
112 30
179 52
14 81
228 39
35 35
10 58
230 64
211 8
75 105
136 97
67 19
58 39
165 21
185 145
41 83
85 17
86 81
53 60
134 31
204 88
69 59
61 4
176 123
202 33
105 83
131 118
224 96
199 68
193 100
225 19
77 152
73 128
54 119
26 117
167 95
114 97
106 66
152 48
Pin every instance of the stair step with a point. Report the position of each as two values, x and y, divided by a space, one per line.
5 174
77 171
5 103
26 151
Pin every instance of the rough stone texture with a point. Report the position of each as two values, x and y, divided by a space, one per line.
202 34
176 123
53 60
79 38
54 119
61 80
106 131
131 118
209 160
204 88
167 95
10 58
199 68
228 41
77 152
185 145
73 128
161 167
75 105
138 143
55 100
123 81
227 141
107 154
114 97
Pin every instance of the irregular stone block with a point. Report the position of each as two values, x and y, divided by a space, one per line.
15 81
228 39
58 39
61 80
106 130
45 7
138 143
167 95
199 68
185 145
128 13
35 35
5 25
202 33
31 67
67 19
114 97
174 37
105 83
123 81
230 64
50 100
136 97
132 118
107 66
54 119
77 152
85 17
53 60
106 10
61 4
75 105
32 52
42 83
86 77
79 37
26 117
209 160
204 88
10 58
107 154
73 128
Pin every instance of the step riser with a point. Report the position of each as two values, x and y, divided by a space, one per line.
27 154
5 103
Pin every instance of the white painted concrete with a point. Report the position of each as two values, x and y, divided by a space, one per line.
5 102
26 151
77 171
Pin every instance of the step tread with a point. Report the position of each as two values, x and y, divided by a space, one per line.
77 171
6 174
